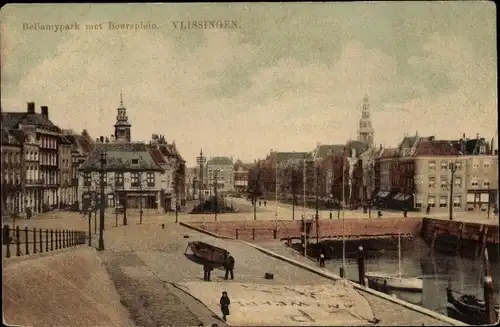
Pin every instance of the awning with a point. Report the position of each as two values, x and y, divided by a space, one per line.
382 194
397 197
405 197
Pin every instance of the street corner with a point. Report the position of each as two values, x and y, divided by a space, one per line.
273 305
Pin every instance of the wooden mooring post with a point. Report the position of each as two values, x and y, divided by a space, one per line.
489 295
361 265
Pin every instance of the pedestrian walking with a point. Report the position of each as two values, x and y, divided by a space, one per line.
405 213
229 266
207 269
428 210
224 305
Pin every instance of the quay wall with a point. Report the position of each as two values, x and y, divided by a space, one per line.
282 229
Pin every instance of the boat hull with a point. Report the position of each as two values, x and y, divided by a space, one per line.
208 252
467 308
386 282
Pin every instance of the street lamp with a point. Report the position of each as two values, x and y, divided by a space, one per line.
453 168
216 202
101 203
201 160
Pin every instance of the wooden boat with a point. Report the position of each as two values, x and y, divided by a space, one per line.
208 252
382 281
386 282
470 309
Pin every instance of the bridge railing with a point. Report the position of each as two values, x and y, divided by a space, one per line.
19 242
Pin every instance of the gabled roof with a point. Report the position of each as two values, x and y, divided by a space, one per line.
435 148
323 150
121 157
12 120
220 161
157 155
9 139
359 146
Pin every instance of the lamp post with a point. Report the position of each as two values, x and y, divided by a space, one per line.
102 204
370 185
201 160
140 198
453 169
124 180
176 211
317 205
216 200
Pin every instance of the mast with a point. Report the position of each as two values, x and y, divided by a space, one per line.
304 204
343 213
276 189
399 254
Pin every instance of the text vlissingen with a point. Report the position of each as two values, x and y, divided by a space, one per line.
205 24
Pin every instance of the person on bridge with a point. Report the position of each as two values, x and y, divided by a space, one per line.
229 266
224 305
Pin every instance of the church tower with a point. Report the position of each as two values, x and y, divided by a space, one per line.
365 131
122 126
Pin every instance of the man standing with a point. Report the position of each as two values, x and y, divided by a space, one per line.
207 269
229 265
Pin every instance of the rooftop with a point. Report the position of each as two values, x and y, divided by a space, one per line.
122 157
220 161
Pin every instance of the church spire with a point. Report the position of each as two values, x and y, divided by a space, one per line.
365 131
122 126
121 99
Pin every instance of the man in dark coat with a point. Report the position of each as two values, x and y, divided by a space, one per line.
224 305
229 266
207 269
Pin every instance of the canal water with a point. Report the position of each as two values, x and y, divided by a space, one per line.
437 269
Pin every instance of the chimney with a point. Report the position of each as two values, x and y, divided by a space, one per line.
463 136
97 140
477 136
101 139
31 107
45 111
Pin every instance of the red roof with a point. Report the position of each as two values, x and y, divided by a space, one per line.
436 148
157 156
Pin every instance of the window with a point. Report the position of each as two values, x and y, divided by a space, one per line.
151 179
432 181
474 182
119 179
444 164
135 161
418 201
486 184
482 149
432 165
458 165
486 164
442 202
457 200
87 180
134 179
431 201
458 181
105 179
443 182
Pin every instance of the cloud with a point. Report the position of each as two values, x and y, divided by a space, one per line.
286 104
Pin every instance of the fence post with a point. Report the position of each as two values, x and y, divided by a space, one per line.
51 239
41 241
56 232
34 240
253 233
26 243
6 240
18 242
64 238
60 239
71 238
46 240
236 233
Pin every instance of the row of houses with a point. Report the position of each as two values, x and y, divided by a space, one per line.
223 172
421 173
39 161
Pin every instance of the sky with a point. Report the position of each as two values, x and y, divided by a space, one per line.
287 77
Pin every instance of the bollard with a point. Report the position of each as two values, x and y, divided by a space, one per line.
60 239
6 240
18 242
90 231
366 282
275 233
386 288
342 272
41 240
489 299
26 243
236 233
162 226
51 239
46 240
34 240
361 265
253 233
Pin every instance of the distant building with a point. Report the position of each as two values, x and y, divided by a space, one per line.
224 168
241 171
12 172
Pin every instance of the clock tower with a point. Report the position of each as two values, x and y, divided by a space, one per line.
122 126
365 131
